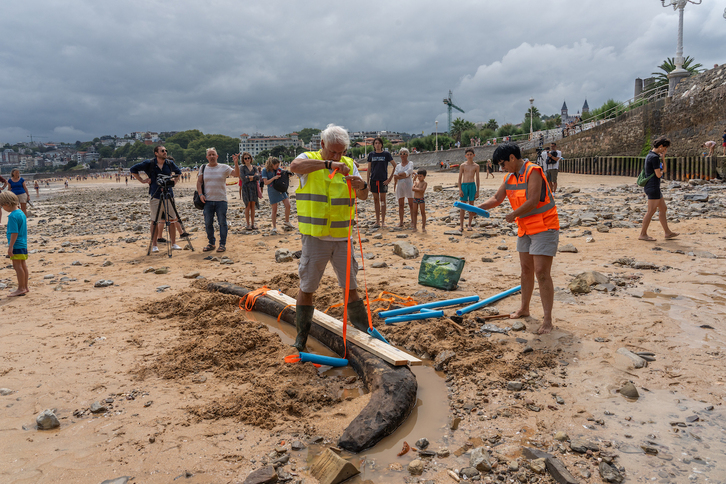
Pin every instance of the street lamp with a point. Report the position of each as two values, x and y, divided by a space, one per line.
437 135
531 109
675 76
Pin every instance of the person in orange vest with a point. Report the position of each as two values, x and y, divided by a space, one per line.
538 234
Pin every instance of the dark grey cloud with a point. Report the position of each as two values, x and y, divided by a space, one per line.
79 69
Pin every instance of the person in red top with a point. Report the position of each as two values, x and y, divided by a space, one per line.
533 208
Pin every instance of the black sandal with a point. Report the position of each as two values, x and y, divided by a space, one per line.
208 248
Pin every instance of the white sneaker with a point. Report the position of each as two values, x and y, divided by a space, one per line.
176 247
154 249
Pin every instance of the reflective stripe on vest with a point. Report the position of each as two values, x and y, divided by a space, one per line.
324 206
544 216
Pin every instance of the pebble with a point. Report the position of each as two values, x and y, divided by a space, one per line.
422 443
5 392
514 386
162 288
283 255
415 467
47 420
148 270
191 275
538 466
107 263
379 265
161 270
561 436
103 283
98 407
629 390
518 326
49 276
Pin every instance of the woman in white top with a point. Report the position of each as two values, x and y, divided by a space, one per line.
403 174
214 196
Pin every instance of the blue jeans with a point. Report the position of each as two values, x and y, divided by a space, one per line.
220 208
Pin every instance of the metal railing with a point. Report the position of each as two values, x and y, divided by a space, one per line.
679 168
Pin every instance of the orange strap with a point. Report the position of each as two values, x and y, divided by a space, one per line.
347 281
283 310
251 297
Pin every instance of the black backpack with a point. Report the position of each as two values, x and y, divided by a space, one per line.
282 183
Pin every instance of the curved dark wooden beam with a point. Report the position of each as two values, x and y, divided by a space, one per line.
392 388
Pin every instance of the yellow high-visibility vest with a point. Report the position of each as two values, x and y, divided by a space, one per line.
324 206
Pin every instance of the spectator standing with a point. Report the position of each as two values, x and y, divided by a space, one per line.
553 166
403 174
17 233
214 197
271 172
250 183
20 189
4 183
723 143
655 169
378 179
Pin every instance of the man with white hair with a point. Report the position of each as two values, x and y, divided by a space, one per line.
325 210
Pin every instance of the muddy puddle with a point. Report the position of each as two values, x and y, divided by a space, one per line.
666 437
429 418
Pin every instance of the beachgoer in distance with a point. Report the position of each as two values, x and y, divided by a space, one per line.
37 189
403 174
270 173
538 226
378 179
723 143
468 186
159 165
20 189
17 233
655 169
250 183
214 197
419 189
4 183
325 212
490 168
553 166
710 145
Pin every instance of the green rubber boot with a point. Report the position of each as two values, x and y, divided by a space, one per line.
303 321
357 315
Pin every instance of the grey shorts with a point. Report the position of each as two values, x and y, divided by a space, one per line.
552 175
316 254
543 243
154 206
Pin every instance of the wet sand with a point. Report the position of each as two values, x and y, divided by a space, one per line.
68 344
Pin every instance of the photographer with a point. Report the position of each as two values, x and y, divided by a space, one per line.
553 166
170 173
270 174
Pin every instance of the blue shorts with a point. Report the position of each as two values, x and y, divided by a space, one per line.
469 191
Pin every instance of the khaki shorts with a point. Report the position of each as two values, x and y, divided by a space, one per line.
23 198
543 243
552 175
316 254
154 206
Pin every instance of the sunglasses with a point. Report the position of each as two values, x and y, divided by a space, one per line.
163 151
247 158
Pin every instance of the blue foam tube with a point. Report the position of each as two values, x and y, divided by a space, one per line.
484 302
414 317
374 332
431 305
322 360
471 208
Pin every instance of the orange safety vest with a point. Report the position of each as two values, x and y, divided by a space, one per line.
544 215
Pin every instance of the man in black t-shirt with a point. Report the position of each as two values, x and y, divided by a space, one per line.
655 169
378 179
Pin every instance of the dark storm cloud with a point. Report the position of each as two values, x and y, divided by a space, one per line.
79 69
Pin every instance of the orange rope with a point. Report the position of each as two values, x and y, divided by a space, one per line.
283 310
248 302
363 266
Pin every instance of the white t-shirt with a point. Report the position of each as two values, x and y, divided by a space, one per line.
553 166
215 182
304 179
404 187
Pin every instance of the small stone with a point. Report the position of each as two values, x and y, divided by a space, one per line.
107 263
297 445
481 460
162 288
76 263
578 445
502 247
443 452
422 443
405 250
5 392
149 270
118 480
283 255
97 407
579 286
561 436
514 386
518 326
538 466
454 424
513 466
609 473
603 228
629 390
442 359
379 265
162 270
103 283
415 467
636 361
469 472
263 475
191 275
567 248
47 420
487 259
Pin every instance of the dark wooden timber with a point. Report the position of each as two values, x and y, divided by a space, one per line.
392 388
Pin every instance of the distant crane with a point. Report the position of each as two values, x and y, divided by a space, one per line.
450 104
31 138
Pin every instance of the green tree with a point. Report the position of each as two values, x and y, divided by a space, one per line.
458 126
669 65
492 124
185 137
105 152
261 157
508 130
278 151
306 134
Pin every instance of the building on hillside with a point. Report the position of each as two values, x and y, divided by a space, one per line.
585 108
257 142
566 118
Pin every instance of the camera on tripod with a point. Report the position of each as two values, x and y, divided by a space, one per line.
164 181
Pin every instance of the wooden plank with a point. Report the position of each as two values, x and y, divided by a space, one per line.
386 352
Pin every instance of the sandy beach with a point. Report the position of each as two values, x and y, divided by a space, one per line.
195 387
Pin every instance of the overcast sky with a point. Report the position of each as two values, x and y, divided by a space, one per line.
76 69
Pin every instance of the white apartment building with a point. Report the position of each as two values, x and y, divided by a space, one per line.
256 143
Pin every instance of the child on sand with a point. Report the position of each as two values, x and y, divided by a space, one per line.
419 188
468 186
17 232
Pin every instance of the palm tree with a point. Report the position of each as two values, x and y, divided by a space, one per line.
669 65
458 126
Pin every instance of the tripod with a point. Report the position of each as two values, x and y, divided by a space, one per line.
166 201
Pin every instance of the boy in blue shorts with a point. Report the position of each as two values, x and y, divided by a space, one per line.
468 186
17 231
